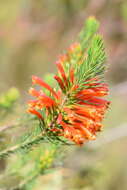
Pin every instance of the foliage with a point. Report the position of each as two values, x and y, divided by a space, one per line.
8 99
73 110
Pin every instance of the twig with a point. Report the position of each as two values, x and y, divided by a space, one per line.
26 145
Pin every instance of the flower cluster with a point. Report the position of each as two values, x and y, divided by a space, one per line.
73 112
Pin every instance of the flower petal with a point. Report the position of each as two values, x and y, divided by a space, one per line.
39 81
35 112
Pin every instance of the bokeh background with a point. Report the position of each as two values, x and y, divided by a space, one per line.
32 34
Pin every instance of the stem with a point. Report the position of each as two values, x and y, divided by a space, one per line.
26 145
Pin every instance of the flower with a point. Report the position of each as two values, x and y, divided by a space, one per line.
74 112
83 120
37 80
62 72
34 112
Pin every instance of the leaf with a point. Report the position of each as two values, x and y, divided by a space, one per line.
93 62
90 28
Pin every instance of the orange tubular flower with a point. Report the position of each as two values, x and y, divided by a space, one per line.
60 82
34 92
34 112
79 122
82 120
37 80
76 110
73 47
89 112
47 101
63 58
32 103
93 92
62 72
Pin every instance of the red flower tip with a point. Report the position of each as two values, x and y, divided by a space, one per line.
32 103
46 101
39 81
34 112
34 92
74 47
60 82
62 72
63 58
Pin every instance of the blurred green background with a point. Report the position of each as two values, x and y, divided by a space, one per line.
32 34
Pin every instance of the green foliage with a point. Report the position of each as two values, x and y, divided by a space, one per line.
8 99
90 28
87 56
93 62
41 160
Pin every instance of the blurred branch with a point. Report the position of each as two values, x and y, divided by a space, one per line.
26 145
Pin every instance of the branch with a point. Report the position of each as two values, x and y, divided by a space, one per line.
26 145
